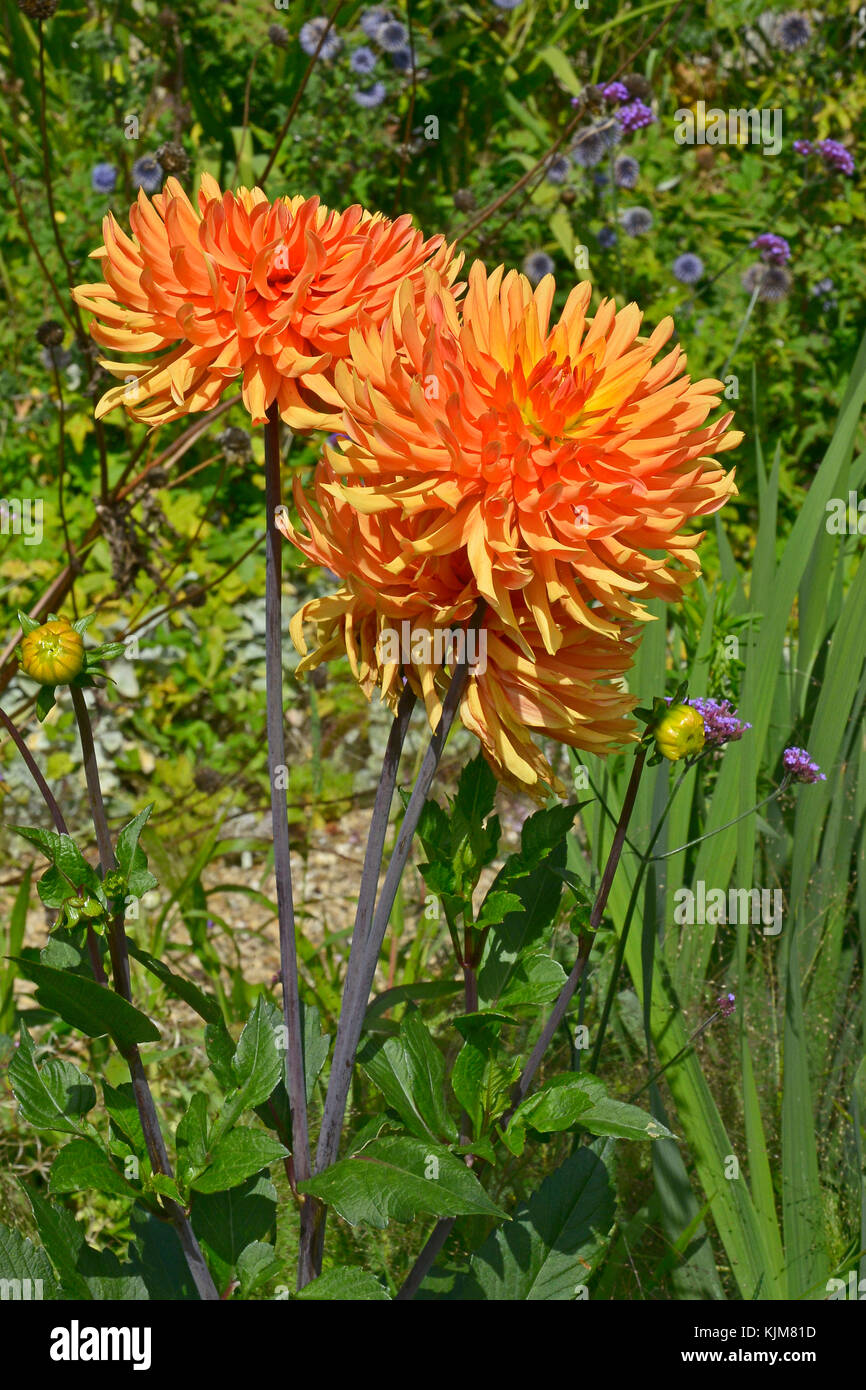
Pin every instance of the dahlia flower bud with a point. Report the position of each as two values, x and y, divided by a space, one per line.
53 653
680 733
114 884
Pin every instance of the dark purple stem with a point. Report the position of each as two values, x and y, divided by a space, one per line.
59 825
295 1083
353 1010
329 1136
119 952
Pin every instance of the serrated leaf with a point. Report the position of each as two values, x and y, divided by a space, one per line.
476 791
227 1222
388 1179
179 986
68 861
553 1243
87 1005
82 1165
54 1095
535 979
237 1156
191 1138
131 858
409 1070
496 907
120 1103
256 1067
345 1284
257 1263
22 1261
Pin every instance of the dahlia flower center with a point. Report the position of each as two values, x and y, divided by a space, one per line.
553 400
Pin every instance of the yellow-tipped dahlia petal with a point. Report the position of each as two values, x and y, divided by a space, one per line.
269 293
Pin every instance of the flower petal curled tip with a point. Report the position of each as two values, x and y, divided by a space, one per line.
679 733
557 454
53 653
539 674
238 289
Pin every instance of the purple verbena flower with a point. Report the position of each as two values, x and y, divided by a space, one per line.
634 114
800 767
774 249
726 1003
835 156
803 147
615 91
722 724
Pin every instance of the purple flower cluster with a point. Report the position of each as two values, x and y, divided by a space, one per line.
615 91
726 1003
833 153
800 767
774 249
721 722
835 156
634 114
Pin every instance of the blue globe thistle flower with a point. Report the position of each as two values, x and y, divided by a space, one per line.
822 287
311 33
392 35
793 31
610 131
103 178
147 174
558 168
626 171
607 238
373 19
363 60
688 268
373 96
536 265
771 281
636 221
402 60
588 148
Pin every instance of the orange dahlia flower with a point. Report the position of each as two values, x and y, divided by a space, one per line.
395 599
562 459
241 288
